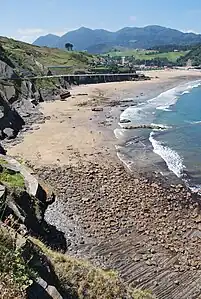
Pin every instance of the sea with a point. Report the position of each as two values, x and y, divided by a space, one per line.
173 149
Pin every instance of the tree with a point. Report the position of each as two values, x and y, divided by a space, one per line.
69 46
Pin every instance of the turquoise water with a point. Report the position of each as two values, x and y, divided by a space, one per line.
179 111
183 141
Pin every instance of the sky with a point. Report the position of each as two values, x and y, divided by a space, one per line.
28 19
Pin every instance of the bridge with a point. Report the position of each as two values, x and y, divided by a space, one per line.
84 78
86 75
89 78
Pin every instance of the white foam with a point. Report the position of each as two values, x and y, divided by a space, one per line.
143 112
196 122
195 189
164 127
127 162
163 108
119 133
171 158
186 92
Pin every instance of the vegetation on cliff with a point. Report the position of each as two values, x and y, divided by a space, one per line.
76 278
87 281
29 59
194 55
15 275
10 178
27 265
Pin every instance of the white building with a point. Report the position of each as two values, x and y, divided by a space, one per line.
123 60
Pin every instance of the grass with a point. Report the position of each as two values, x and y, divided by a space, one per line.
78 279
3 162
87 281
11 178
37 59
14 273
147 55
46 83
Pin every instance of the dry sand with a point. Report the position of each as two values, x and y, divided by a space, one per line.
75 132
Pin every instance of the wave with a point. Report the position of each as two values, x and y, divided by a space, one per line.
144 112
196 122
186 92
127 162
194 189
163 108
163 127
171 157
194 84
119 133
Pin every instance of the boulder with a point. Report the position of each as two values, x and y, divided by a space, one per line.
6 71
64 84
12 168
125 121
65 95
9 92
26 89
97 109
10 133
37 96
53 292
48 94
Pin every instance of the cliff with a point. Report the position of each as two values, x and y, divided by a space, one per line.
19 98
32 268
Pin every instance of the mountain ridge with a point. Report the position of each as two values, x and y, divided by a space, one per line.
48 40
86 39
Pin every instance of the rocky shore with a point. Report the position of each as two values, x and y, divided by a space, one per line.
147 229
119 221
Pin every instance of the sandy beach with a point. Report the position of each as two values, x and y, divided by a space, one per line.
148 232
73 131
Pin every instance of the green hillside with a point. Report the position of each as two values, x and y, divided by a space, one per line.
36 59
147 55
194 55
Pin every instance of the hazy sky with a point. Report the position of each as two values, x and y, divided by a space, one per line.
28 19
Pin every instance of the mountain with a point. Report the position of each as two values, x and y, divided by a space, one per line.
49 40
129 37
85 37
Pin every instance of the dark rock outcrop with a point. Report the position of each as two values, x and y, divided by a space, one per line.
19 98
125 121
96 109
151 127
6 71
24 202
44 283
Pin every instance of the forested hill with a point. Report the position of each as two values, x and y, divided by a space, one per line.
98 40
194 55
